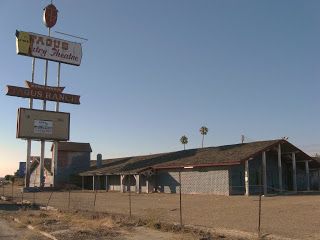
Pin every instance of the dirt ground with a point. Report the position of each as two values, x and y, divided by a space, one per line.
13 231
295 217
27 222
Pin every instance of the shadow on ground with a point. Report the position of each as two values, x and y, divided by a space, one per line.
9 207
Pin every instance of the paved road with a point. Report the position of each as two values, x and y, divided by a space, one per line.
11 231
8 232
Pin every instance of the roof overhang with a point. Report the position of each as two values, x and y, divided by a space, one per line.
187 166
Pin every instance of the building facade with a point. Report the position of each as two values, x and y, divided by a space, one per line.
73 158
266 167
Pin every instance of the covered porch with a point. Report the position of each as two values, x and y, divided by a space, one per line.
282 168
124 182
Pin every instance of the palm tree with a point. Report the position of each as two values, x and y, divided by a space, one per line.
203 130
184 141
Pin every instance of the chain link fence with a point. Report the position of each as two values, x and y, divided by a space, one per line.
257 215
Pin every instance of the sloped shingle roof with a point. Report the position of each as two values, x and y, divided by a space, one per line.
35 160
73 147
211 156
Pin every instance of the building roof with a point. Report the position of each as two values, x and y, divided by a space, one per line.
73 147
317 158
201 157
35 160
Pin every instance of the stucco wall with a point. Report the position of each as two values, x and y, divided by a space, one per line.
35 178
70 163
315 180
114 182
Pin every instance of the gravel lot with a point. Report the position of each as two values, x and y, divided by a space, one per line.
285 216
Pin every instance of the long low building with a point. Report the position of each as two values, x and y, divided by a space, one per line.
273 166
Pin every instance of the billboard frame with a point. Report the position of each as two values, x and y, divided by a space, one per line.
40 138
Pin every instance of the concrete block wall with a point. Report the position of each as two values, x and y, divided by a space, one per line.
203 180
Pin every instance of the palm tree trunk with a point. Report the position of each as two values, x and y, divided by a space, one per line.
202 140
184 146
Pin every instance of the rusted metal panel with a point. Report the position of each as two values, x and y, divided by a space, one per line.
42 94
50 15
32 85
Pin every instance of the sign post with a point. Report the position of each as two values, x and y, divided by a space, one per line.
55 146
28 161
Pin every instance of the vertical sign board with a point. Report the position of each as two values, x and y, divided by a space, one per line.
39 124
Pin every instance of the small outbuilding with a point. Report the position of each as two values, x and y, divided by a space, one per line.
73 158
274 166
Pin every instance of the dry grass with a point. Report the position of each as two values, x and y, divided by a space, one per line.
283 216
91 225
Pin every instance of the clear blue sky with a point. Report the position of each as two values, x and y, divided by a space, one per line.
155 70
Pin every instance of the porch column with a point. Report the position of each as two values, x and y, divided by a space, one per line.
107 184
307 175
93 184
294 172
82 181
99 182
137 177
121 183
319 179
246 177
264 172
280 168
147 185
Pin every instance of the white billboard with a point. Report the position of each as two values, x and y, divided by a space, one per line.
49 48
43 125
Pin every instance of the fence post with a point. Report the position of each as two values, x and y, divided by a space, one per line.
69 199
94 202
180 199
34 197
12 181
49 200
130 195
260 194
82 182
22 197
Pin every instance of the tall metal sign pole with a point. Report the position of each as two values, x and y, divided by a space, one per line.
51 21
28 161
54 168
50 15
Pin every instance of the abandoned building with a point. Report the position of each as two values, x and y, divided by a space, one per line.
35 172
274 166
73 158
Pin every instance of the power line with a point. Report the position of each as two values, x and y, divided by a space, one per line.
70 35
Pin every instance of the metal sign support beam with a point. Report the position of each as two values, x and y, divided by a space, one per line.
28 160
43 142
55 153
